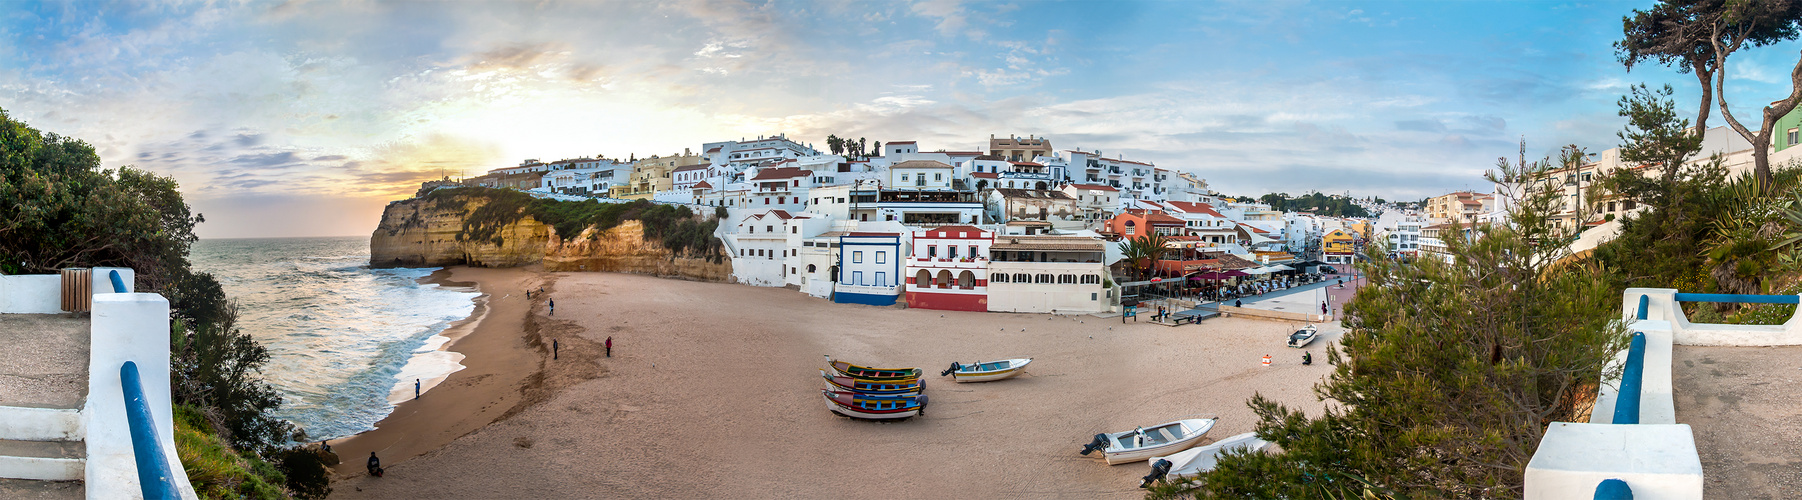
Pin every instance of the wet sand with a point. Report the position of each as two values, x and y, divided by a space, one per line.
713 391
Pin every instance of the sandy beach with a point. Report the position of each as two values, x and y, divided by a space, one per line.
713 391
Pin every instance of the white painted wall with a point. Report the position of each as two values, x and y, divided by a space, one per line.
40 424
127 327
1658 461
32 294
1663 307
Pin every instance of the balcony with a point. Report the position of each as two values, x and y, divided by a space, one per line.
944 263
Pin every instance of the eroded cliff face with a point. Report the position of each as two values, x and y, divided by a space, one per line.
415 233
623 249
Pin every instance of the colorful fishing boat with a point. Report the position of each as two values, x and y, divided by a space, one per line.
1146 442
839 382
874 374
984 372
873 406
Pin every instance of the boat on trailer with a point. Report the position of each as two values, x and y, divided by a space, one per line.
874 406
1194 461
868 373
984 372
1146 442
840 382
1302 337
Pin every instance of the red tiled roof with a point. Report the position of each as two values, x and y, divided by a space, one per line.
891 143
715 149
1097 187
703 185
1194 208
779 173
690 167
1026 163
986 175
1254 228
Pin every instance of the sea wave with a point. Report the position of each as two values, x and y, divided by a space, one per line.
344 340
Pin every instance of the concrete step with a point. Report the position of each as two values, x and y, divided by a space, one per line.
43 460
26 489
23 423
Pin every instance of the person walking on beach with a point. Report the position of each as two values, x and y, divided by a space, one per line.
609 347
1323 308
553 348
375 465
415 388
553 305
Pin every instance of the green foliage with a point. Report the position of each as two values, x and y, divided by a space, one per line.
219 372
1335 206
215 469
308 470
677 228
1144 251
1448 374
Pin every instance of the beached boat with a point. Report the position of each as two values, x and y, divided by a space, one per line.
873 406
1194 461
868 373
984 372
1303 336
843 383
1146 442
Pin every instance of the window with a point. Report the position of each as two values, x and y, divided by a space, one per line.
903 177
1042 278
857 257
1793 137
1130 228
881 277
1066 279
1090 279
769 229
1022 278
857 277
950 251
794 230
752 228
999 278
938 177
881 258
1627 205
973 253
932 251
841 199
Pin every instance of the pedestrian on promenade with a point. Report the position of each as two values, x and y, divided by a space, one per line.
553 348
1322 308
609 347
1238 303
553 305
415 388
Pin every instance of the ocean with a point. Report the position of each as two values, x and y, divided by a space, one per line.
345 341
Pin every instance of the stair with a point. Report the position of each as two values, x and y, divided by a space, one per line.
43 385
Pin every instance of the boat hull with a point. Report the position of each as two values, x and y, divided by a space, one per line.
901 387
1015 366
1194 461
876 374
847 403
1117 454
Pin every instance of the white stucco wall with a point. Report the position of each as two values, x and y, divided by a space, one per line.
127 327
31 294
1663 306
1658 461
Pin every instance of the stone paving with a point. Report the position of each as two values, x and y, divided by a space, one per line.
43 360
1741 404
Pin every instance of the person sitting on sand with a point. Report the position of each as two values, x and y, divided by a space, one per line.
375 465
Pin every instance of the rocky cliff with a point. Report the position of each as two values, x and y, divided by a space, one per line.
420 233
624 249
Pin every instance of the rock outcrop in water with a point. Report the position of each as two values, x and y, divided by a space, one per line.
422 233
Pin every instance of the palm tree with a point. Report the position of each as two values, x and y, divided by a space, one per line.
1142 252
836 144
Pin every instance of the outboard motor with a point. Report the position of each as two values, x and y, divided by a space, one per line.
955 366
1158 470
1100 443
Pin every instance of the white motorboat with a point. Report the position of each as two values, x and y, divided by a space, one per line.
1302 337
1194 461
1146 442
984 372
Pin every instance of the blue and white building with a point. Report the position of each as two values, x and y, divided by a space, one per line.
870 268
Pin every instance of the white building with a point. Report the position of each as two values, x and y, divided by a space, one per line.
921 175
762 242
1043 274
1096 202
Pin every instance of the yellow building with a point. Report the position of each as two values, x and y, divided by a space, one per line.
1337 246
650 175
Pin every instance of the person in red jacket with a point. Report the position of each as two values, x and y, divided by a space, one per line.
609 347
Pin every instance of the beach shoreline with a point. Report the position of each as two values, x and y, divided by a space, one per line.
713 391
485 390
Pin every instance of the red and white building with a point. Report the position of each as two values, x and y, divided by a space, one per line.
948 269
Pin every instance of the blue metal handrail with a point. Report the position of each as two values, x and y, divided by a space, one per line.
1613 489
1644 302
118 284
1744 299
154 476
1626 402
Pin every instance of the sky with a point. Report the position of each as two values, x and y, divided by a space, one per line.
303 118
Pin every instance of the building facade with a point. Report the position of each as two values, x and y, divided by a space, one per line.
948 268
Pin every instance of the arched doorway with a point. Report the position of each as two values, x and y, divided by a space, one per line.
923 279
944 280
1042 185
966 280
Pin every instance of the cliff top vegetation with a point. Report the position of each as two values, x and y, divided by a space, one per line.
677 228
